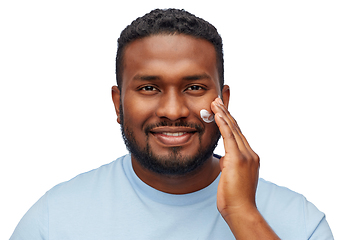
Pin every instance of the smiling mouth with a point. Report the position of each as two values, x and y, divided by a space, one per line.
170 137
176 134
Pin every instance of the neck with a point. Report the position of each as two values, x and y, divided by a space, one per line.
180 184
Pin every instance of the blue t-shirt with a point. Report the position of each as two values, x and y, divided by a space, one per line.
111 202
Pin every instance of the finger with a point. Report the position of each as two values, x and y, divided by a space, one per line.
221 105
235 127
231 123
230 142
232 138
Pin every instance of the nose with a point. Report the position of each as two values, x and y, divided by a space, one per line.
172 106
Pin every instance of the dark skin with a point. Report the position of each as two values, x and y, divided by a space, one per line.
171 78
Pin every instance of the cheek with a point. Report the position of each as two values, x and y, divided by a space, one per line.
137 112
202 108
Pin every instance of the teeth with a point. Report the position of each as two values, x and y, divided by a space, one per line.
174 134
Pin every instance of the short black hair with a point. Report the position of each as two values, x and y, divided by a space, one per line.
169 21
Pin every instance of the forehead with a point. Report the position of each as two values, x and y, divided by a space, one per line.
169 55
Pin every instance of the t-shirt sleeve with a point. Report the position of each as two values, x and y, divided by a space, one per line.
322 231
316 223
34 224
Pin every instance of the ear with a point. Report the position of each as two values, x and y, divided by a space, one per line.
226 95
116 97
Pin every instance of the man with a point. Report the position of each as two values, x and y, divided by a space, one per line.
171 103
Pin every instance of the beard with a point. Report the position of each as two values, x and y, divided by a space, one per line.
174 164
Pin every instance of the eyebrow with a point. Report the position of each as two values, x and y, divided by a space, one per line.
146 77
197 77
188 78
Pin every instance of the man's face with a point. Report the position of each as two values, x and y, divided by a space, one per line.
167 80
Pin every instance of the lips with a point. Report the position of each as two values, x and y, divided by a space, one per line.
173 136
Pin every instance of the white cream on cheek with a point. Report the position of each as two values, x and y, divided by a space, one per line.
206 116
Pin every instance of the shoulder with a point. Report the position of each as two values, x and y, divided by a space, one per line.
77 195
270 190
282 199
87 184
288 212
99 173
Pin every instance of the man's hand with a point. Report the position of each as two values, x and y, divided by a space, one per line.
238 181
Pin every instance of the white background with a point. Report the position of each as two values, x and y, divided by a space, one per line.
293 68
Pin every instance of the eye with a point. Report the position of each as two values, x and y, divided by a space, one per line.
148 88
195 88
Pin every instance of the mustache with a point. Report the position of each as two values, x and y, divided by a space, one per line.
150 127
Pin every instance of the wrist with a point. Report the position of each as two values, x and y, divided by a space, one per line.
248 213
248 223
